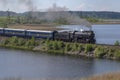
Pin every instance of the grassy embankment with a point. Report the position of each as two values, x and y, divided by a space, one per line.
102 21
62 48
110 76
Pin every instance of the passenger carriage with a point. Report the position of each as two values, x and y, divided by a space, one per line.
1 31
14 32
40 34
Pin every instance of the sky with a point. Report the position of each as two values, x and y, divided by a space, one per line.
73 5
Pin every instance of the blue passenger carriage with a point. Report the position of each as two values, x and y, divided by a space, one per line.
14 32
1 31
40 34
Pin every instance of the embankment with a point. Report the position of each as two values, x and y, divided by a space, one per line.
62 48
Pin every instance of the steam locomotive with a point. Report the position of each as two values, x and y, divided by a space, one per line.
67 36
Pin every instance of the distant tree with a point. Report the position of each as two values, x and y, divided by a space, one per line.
4 25
28 17
18 20
117 43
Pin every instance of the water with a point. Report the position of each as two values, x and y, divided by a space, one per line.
26 64
104 34
107 34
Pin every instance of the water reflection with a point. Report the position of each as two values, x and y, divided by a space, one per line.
25 64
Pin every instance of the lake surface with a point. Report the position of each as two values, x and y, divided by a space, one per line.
104 34
107 34
26 64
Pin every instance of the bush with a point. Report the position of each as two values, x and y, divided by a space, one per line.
80 47
21 42
110 52
32 41
117 54
60 44
49 45
5 42
28 43
88 48
55 45
13 41
67 47
75 47
100 52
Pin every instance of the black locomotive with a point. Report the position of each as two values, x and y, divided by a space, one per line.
67 36
76 36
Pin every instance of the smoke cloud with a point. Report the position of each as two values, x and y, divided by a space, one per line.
53 13
29 4
56 12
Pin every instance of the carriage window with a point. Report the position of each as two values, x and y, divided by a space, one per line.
40 34
15 32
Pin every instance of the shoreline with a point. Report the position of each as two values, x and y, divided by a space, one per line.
107 76
105 23
63 48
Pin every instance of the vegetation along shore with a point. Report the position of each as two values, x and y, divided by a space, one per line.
110 76
62 48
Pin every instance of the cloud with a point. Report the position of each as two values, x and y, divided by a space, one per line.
81 6
20 8
84 7
91 7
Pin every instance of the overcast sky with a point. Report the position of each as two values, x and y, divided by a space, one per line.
75 5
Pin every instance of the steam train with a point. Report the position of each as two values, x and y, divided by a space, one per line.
67 36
